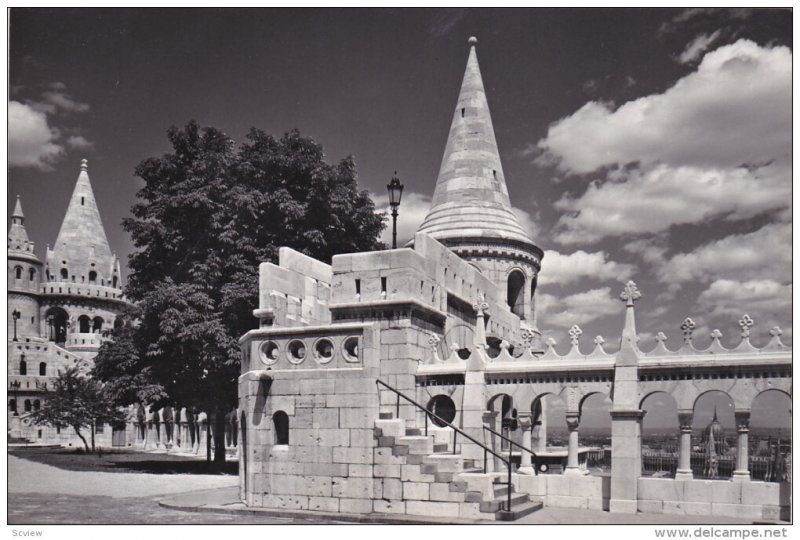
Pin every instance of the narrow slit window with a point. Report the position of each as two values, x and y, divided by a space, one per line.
81 201
462 112
358 287
383 286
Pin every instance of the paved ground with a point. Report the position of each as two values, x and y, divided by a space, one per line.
42 494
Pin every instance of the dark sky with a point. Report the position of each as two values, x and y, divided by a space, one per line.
645 144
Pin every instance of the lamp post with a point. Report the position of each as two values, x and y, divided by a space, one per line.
395 194
15 315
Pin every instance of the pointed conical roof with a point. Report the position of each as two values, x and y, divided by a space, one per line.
471 198
19 245
82 246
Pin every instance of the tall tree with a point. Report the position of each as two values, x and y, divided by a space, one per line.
208 215
79 402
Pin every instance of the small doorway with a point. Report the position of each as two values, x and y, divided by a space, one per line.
118 434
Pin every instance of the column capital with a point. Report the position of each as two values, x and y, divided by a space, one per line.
573 421
622 414
742 420
685 421
524 420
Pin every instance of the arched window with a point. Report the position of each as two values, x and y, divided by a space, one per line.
12 405
23 367
97 325
36 405
42 369
280 421
57 320
18 272
84 324
27 405
64 273
516 293
118 323
92 276
31 274
115 282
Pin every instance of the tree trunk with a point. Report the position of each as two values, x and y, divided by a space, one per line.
78 433
219 439
92 436
208 438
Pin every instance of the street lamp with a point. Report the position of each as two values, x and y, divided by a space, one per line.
395 194
15 315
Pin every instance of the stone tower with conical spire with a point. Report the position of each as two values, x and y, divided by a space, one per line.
24 275
471 212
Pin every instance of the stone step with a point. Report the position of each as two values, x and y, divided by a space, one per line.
439 448
416 444
499 503
518 511
445 462
385 441
390 428
385 415
502 491
413 432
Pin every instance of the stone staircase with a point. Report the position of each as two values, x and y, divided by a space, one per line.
422 476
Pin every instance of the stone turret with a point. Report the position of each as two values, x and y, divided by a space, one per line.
24 274
81 253
471 211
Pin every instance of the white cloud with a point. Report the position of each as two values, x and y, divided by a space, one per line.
561 269
53 101
653 200
734 109
79 142
765 253
768 302
578 308
413 209
697 47
527 222
31 140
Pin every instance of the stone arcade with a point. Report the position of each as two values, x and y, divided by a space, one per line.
323 424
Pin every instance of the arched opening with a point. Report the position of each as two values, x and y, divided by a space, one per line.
552 433
97 325
770 436
57 324
443 407
18 272
516 293
36 405
243 454
118 323
23 367
660 435
12 406
595 432
505 419
64 273
28 405
92 276
42 369
84 324
114 282
280 421
714 451
31 274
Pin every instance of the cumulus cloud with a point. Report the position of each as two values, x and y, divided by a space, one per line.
558 268
56 100
413 209
729 297
682 156
765 253
32 142
578 308
697 47
79 142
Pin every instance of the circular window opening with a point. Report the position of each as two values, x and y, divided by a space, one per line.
351 349
463 353
493 351
269 352
297 351
323 350
443 407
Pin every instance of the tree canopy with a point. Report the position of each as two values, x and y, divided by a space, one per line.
209 213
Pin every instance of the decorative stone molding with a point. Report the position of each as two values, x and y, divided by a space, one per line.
688 326
745 323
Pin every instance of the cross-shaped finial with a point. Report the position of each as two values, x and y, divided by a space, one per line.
526 335
454 346
575 334
630 294
661 337
481 306
505 345
775 331
688 327
598 340
716 334
745 323
550 342
434 340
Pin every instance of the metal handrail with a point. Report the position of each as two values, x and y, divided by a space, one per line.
456 431
514 443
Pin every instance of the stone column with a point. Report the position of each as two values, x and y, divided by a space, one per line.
525 424
626 460
490 421
684 471
742 472
541 440
573 467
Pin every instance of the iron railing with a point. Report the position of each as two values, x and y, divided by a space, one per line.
512 444
456 432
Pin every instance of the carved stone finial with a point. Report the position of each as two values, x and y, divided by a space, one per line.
745 323
661 337
454 347
776 331
526 335
481 306
575 334
84 165
550 342
716 334
688 327
434 340
598 340
505 345
630 294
